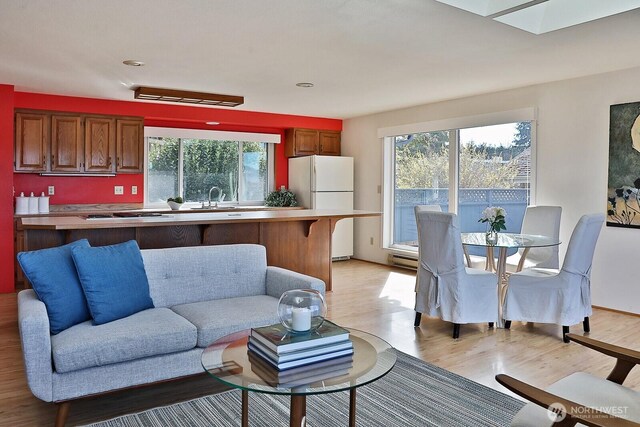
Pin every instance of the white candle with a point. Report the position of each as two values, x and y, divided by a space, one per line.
300 319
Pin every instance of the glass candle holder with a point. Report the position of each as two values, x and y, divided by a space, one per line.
302 310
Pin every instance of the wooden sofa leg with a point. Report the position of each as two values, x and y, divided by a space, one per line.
565 331
63 412
456 330
585 324
416 323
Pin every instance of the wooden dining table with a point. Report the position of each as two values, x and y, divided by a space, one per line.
505 242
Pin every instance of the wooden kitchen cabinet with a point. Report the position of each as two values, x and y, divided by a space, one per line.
130 146
99 144
306 142
66 144
69 143
32 142
329 143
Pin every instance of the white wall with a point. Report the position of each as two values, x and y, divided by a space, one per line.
572 158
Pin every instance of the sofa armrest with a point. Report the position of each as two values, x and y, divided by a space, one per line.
33 323
280 280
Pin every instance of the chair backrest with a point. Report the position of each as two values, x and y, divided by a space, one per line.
545 221
582 244
427 208
439 242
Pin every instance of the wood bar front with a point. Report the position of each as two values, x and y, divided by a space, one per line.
297 240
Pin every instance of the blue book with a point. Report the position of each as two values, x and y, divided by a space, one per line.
300 354
300 362
279 340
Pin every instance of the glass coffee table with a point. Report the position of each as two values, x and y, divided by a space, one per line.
227 361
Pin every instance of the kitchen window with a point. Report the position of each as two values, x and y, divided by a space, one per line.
232 167
461 169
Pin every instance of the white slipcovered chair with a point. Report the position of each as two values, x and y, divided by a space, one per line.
444 287
582 399
540 220
563 298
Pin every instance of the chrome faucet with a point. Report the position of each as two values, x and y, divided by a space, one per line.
219 193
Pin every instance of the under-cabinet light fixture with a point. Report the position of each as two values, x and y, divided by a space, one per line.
187 97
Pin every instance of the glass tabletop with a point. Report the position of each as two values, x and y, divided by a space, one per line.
510 240
227 361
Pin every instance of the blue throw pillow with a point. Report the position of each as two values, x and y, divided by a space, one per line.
114 280
54 279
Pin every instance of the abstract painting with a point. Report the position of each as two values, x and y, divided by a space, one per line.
623 195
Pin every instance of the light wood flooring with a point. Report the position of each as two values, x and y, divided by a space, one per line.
366 296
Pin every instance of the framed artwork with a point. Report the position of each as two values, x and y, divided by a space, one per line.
623 195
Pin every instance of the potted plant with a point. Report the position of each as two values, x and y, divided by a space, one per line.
281 198
175 202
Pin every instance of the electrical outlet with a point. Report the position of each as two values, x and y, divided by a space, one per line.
371 240
379 189
118 190
51 190
134 189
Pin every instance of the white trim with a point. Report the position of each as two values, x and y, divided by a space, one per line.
212 134
521 115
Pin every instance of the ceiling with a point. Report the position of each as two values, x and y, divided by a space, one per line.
363 56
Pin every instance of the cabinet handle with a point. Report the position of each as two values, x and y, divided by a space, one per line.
53 159
109 162
118 161
320 147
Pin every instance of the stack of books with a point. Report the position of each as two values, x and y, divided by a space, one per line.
283 359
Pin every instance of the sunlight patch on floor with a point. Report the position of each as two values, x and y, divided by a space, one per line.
399 289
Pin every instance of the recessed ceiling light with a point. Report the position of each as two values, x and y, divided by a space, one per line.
304 84
213 123
133 63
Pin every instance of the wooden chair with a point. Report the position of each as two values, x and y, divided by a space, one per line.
581 398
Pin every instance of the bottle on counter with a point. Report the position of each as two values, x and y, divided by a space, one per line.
43 203
22 204
33 204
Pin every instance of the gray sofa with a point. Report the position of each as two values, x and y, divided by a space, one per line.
200 294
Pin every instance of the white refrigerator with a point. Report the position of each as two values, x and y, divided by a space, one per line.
326 182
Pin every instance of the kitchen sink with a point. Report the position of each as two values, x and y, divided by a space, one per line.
212 208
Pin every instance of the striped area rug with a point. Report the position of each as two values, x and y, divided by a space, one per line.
414 394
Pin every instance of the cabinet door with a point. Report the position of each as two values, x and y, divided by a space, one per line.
130 146
300 142
329 143
306 142
32 142
99 144
66 144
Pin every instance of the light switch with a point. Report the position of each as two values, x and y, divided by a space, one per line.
118 190
134 189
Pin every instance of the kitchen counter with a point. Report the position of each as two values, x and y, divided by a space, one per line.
296 239
186 218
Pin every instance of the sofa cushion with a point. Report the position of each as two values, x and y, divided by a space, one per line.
54 278
217 318
113 279
150 332
191 274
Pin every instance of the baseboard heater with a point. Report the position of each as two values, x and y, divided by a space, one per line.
404 261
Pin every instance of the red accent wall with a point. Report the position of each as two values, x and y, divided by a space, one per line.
100 189
72 190
6 188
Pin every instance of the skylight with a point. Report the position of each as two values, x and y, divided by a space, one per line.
543 16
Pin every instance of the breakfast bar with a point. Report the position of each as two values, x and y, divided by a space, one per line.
298 240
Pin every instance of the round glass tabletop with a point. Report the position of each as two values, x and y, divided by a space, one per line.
228 361
509 240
